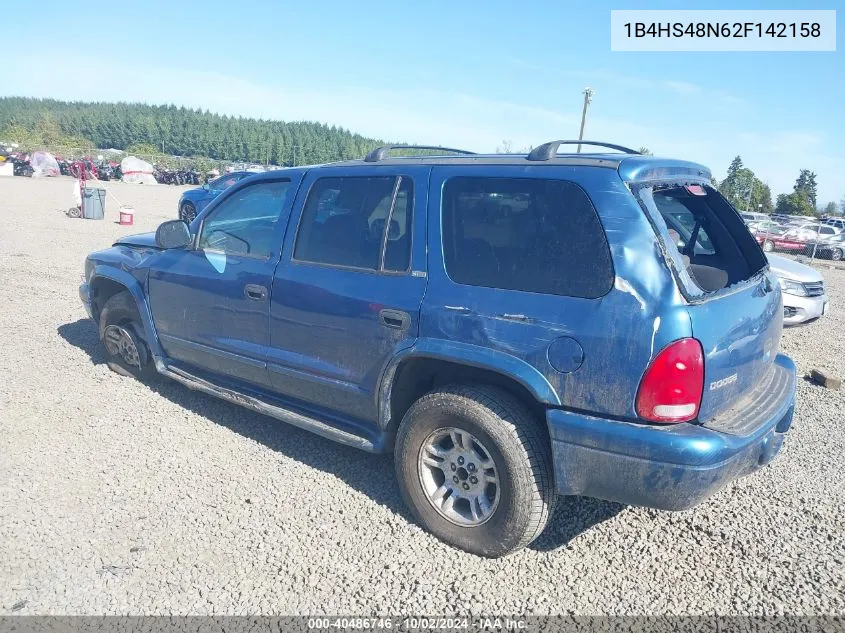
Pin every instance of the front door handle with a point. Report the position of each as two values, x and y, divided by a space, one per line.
255 292
395 319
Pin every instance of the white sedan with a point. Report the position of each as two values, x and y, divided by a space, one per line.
804 296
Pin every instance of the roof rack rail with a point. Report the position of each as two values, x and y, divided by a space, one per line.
380 153
547 151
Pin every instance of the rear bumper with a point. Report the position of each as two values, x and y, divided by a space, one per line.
665 467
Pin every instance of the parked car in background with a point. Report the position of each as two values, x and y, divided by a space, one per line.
483 318
750 217
804 296
764 226
770 237
830 248
810 231
193 201
838 223
775 243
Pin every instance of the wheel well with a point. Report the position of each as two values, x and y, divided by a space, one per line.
417 376
103 289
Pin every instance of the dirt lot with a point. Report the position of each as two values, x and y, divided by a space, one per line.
117 497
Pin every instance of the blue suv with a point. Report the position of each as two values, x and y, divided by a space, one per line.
511 327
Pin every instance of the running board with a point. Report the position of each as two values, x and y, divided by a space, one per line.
290 417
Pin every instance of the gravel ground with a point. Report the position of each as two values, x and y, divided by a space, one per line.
116 497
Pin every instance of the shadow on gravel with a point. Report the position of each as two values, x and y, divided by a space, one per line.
83 334
369 474
572 517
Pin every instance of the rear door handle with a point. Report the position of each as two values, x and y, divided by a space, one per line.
255 292
395 319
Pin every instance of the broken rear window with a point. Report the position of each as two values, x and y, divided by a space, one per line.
705 237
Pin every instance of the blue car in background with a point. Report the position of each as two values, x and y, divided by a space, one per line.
194 201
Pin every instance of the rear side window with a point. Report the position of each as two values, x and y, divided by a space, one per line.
358 222
534 235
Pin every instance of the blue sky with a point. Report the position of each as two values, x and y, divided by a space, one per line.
464 74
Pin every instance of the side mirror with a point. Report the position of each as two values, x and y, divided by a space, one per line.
173 234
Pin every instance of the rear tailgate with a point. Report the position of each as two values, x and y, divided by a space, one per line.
733 300
740 333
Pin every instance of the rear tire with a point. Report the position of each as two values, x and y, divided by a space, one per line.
120 326
768 246
454 433
836 254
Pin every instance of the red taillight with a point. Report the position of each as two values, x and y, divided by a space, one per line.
671 388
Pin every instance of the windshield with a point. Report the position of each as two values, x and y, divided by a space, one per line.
223 182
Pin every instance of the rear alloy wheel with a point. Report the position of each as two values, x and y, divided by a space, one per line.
475 468
458 477
187 212
768 246
836 254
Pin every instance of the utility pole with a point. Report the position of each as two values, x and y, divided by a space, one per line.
588 97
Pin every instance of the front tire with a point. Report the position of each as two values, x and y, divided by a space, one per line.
127 353
836 254
475 468
768 246
187 212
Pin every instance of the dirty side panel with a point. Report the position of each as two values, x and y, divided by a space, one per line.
592 351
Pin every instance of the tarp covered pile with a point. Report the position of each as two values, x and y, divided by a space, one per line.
137 171
44 164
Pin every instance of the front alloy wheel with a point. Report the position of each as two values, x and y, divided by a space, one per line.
126 351
119 342
187 212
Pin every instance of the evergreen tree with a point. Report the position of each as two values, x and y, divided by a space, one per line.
806 185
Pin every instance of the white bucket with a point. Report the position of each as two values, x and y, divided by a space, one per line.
127 215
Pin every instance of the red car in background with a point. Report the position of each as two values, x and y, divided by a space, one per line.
771 239
771 242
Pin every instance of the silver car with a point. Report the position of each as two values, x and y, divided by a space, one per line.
804 296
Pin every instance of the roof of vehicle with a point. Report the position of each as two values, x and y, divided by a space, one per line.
631 165
631 168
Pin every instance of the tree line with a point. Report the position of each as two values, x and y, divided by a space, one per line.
171 130
175 130
748 193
